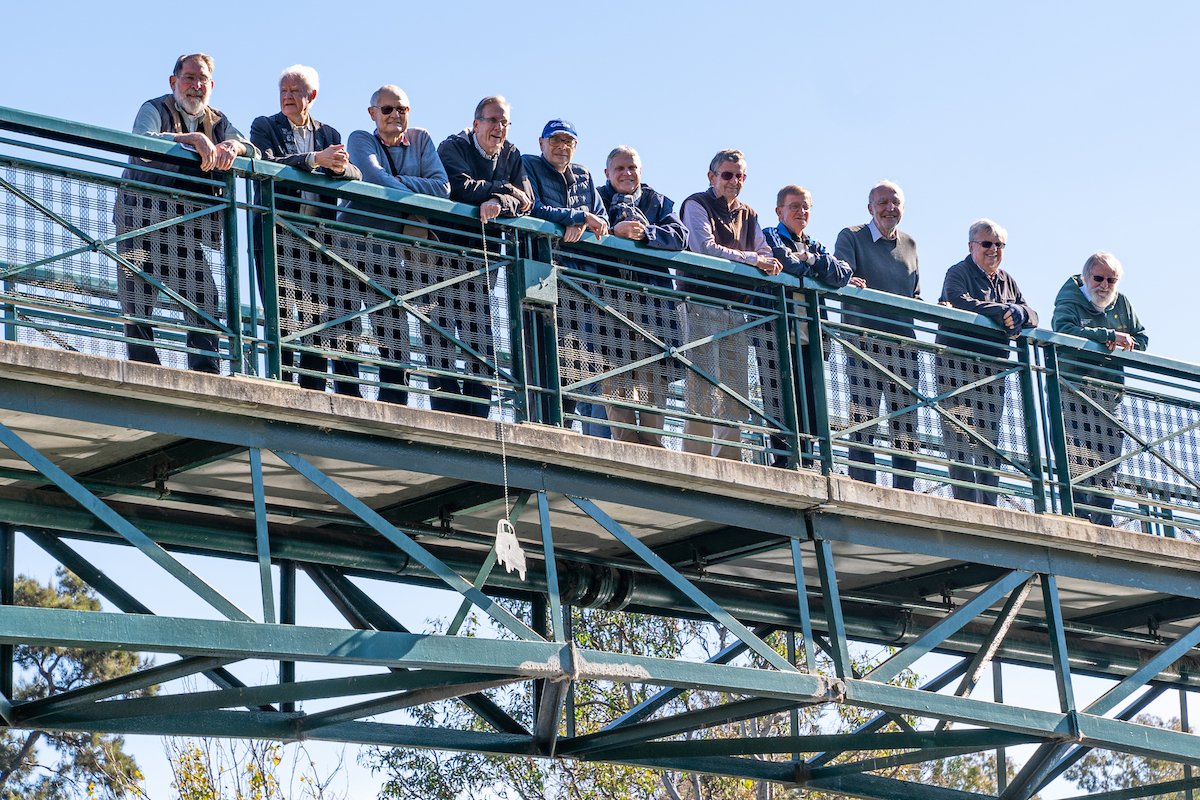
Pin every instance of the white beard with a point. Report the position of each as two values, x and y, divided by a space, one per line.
1100 298
191 105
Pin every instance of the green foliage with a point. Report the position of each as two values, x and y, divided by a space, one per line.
45 765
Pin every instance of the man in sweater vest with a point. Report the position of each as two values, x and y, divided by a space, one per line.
886 258
175 256
1090 306
721 225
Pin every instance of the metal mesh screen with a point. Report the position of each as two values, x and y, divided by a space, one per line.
1137 452
402 305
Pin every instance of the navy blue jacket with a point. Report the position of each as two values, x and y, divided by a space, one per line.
475 179
273 137
825 268
664 229
562 197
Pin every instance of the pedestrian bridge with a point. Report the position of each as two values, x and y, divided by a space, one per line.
214 483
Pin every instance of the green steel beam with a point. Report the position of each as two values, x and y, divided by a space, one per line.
874 787
34 710
362 612
405 543
971 740
683 722
531 659
1161 611
932 583
262 537
408 699
686 587
113 592
938 633
1164 789
171 459
443 503
120 525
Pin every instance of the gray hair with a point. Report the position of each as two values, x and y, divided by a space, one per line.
1101 257
885 184
726 155
306 75
792 189
491 99
622 150
203 58
389 87
980 225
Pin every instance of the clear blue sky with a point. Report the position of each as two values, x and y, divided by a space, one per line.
1072 124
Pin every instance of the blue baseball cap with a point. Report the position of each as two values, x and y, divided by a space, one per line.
559 126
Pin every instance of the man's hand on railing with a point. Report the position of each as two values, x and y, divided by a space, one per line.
333 158
768 265
489 210
630 229
1123 342
597 225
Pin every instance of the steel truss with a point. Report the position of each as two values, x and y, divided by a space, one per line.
1006 606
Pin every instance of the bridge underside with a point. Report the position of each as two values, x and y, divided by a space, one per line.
228 488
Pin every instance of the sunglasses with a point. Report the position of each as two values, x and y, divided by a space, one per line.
1105 279
727 175
986 245
387 110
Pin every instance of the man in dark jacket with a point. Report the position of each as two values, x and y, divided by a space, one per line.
802 257
175 256
295 139
484 169
639 213
1090 306
978 284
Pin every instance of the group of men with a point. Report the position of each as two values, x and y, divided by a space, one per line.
481 167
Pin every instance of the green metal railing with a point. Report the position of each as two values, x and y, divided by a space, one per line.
407 299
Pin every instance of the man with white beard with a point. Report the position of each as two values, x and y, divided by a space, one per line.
1090 306
175 255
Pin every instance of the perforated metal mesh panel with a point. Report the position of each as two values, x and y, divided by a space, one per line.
402 304
1141 451
605 328
72 290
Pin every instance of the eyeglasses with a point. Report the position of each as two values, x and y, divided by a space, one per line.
796 207
726 175
1105 279
501 121
196 80
387 110
563 140
986 245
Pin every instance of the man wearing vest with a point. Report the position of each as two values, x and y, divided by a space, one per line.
721 225
176 256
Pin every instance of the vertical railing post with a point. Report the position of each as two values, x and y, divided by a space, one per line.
518 354
1058 433
790 374
1029 412
233 286
287 616
1001 753
815 372
8 597
269 275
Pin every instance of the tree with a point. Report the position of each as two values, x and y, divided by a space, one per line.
47 765
246 769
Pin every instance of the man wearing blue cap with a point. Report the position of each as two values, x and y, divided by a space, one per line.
564 192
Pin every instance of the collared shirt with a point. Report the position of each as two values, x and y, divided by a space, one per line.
877 234
482 152
701 238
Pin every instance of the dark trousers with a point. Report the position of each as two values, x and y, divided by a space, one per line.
980 410
868 384
176 257
1092 441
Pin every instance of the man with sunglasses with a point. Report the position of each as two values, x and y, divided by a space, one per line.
294 138
977 284
881 367
1089 305
721 225
175 256
397 156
